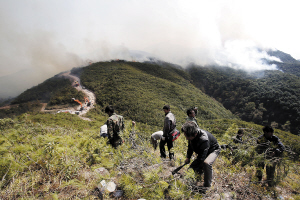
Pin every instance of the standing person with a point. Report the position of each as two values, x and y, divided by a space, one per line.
169 128
191 113
206 146
115 126
264 144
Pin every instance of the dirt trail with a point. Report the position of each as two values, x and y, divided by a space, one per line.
89 94
43 107
8 106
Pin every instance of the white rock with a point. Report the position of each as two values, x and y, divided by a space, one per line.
111 186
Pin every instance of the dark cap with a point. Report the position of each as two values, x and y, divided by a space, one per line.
167 107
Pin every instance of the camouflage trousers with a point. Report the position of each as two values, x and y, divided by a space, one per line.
270 171
115 141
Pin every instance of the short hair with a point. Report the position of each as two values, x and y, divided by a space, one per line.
268 129
240 131
167 107
189 111
109 108
189 128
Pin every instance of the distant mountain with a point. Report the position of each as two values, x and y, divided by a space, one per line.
288 64
284 57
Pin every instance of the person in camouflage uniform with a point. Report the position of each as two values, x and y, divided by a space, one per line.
115 126
191 113
271 146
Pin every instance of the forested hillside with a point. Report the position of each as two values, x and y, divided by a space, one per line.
140 90
288 64
271 99
53 90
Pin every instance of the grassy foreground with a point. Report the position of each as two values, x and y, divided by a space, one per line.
46 156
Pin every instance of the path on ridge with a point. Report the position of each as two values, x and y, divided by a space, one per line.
89 94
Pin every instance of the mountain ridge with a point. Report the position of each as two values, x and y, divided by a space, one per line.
59 156
211 84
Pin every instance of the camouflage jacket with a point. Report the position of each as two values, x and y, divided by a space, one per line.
115 125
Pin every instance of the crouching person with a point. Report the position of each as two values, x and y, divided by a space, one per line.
155 138
103 131
206 146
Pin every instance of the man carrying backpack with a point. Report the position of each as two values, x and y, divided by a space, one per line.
115 126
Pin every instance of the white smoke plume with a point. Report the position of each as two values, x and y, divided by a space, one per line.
44 38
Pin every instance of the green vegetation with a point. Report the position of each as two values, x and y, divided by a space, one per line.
140 90
63 96
288 64
56 90
15 110
271 99
55 156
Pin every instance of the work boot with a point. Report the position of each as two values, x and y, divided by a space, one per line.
171 156
259 177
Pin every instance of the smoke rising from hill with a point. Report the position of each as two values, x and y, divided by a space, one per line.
48 37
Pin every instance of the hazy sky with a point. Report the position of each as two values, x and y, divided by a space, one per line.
51 36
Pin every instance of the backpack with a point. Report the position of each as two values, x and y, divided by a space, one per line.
116 123
175 134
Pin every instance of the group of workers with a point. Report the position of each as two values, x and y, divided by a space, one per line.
200 141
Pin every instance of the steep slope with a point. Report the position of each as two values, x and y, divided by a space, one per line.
60 156
139 91
46 156
53 90
273 98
